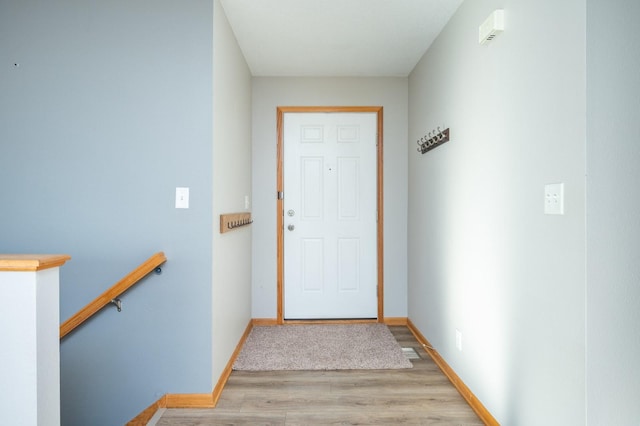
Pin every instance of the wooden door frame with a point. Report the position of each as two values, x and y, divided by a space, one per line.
280 201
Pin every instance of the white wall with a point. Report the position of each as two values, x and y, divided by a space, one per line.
231 304
30 359
613 212
483 258
268 94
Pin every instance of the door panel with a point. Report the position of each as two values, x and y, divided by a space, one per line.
312 265
311 182
348 260
330 227
348 189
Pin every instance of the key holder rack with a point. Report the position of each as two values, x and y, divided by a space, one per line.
231 221
432 140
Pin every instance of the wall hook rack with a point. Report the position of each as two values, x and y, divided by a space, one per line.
432 140
231 221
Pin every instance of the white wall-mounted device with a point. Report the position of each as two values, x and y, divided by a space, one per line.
490 28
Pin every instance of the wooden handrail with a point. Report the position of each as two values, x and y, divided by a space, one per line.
116 290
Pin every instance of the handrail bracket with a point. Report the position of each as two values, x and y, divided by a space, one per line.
118 303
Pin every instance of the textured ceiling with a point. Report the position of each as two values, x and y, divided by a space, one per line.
336 37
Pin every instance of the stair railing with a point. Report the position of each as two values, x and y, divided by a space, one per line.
111 295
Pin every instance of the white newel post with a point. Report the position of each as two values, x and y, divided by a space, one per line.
30 339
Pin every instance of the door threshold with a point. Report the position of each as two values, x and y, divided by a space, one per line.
332 321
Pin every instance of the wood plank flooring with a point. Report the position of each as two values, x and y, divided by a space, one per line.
421 395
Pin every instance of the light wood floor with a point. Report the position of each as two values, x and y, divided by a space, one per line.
421 395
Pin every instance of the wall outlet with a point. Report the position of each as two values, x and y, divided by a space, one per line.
554 198
459 340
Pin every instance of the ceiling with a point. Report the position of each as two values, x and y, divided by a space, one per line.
337 38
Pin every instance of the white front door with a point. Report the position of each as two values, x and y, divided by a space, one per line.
330 202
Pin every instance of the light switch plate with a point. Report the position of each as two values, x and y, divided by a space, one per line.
182 198
554 198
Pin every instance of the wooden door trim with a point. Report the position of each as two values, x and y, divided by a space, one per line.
280 203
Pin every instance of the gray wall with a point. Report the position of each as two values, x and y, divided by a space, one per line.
483 258
613 212
231 183
109 110
268 94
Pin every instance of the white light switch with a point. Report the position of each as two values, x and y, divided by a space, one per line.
554 198
246 202
182 198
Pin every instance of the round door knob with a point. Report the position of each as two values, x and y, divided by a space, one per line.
291 227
